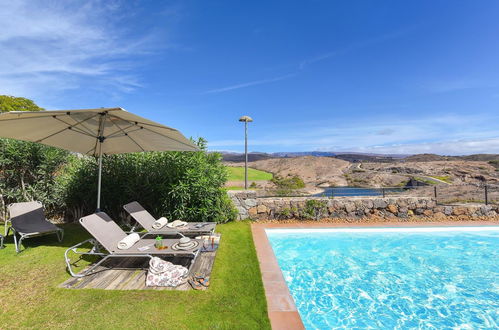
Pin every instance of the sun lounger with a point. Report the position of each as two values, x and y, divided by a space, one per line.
1 241
106 236
146 221
28 220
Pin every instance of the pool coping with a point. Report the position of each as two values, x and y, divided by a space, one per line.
282 310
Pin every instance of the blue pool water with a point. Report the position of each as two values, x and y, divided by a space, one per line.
438 278
350 191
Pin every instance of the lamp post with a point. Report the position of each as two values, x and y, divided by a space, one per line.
246 120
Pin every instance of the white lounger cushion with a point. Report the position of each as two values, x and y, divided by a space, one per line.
160 223
128 241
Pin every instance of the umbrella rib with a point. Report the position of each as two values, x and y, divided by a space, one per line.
165 136
150 130
89 131
86 153
116 133
21 118
62 130
141 123
126 134
76 129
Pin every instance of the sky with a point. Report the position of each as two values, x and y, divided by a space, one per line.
397 77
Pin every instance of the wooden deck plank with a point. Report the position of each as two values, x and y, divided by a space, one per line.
130 273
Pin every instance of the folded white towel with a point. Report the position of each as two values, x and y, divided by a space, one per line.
160 223
128 241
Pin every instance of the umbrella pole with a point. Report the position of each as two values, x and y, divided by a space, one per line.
99 177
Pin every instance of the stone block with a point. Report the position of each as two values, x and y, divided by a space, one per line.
262 209
392 208
427 213
419 211
379 203
460 211
250 202
252 211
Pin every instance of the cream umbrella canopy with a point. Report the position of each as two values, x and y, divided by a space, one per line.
94 132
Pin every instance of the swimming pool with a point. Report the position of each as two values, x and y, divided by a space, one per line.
385 278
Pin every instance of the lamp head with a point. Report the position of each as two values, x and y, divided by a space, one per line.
246 119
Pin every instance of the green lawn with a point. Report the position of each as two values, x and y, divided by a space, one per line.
237 174
30 298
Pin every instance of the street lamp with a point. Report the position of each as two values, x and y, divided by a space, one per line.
246 120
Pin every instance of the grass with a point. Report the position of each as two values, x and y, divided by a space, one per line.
30 298
446 178
427 181
237 174
238 188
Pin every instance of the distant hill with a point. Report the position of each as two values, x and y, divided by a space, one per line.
426 158
252 156
355 157
350 157
481 157
434 157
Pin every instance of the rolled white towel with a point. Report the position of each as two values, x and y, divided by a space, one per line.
128 241
160 223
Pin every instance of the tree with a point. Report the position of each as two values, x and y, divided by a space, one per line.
12 103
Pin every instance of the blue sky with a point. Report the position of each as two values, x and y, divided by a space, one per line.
364 76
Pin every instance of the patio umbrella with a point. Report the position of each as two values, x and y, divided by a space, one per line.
93 132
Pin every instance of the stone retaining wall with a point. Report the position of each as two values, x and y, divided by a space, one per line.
252 207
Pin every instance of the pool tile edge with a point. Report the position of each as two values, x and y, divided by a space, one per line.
281 307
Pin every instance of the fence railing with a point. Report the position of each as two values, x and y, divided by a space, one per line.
443 194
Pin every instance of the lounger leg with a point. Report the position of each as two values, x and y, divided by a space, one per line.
91 252
7 228
193 260
60 235
1 242
18 243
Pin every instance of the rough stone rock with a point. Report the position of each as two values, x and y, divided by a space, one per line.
427 213
402 215
250 202
392 208
419 211
252 211
460 211
439 215
379 203
261 209
350 207
491 214
448 210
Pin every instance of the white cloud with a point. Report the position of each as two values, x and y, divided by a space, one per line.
450 135
47 47
249 84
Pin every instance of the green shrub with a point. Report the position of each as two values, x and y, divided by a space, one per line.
314 209
494 163
27 172
177 185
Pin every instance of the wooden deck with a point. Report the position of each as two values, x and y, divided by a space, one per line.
130 274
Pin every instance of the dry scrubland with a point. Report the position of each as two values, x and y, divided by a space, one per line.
327 171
